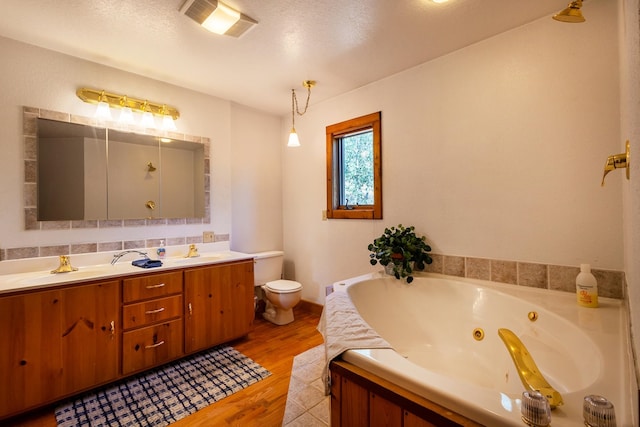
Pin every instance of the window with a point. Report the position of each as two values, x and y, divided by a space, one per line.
354 168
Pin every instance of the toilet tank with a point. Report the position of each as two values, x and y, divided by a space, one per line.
267 267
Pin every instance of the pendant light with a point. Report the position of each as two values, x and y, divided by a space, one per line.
294 141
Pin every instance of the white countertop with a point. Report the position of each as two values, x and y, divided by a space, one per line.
36 277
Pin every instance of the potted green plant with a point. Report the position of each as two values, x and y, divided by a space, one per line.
400 251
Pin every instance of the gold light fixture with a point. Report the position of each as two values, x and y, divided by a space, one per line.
102 110
127 105
126 115
147 118
218 17
571 14
294 141
167 120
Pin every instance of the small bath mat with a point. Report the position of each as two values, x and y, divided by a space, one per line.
162 396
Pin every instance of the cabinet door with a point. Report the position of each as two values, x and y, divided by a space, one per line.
218 304
55 343
90 342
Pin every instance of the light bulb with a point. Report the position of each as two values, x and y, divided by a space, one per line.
126 116
168 123
103 112
293 139
147 120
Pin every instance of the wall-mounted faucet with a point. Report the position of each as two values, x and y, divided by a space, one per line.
617 161
117 256
528 371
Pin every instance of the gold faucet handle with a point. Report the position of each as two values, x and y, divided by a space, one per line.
617 161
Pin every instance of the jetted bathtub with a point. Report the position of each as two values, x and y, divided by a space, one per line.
446 348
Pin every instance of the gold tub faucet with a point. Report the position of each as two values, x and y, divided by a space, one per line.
528 371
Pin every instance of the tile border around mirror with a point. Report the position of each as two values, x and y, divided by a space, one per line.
30 116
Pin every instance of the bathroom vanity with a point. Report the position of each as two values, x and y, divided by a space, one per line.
59 339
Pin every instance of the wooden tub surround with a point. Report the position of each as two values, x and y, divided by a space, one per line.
362 399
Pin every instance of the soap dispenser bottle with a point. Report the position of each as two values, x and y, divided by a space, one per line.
161 251
586 287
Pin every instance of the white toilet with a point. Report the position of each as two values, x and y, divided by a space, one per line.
281 295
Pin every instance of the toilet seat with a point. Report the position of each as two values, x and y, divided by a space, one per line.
283 286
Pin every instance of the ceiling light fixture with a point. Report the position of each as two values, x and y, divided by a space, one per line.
294 141
571 13
128 105
218 17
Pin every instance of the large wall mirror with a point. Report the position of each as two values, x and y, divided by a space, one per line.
85 172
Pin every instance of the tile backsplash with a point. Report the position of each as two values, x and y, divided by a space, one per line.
545 276
85 248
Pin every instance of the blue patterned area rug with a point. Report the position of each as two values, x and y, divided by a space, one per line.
162 396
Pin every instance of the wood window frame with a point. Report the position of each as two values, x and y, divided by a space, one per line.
333 133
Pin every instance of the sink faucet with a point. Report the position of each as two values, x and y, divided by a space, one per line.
117 256
65 265
193 252
529 373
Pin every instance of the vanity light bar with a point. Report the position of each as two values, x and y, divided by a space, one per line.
94 96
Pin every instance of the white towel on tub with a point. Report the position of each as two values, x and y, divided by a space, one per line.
343 329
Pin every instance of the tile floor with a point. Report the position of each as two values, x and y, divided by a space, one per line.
307 406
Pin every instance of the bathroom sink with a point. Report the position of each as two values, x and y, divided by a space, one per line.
202 259
82 273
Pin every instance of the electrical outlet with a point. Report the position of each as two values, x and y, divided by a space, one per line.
207 237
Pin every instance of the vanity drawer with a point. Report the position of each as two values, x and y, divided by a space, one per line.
151 346
153 311
151 286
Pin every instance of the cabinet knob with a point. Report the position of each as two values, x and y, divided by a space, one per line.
159 310
112 329
159 285
190 309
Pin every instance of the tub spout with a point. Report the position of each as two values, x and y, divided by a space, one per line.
529 373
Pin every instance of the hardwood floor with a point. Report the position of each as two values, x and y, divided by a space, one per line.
262 404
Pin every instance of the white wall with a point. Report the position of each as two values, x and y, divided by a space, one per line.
495 151
256 181
31 76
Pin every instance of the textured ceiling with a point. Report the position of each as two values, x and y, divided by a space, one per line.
343 44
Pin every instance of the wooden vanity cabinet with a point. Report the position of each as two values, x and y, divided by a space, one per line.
152 320
218 304
56 343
